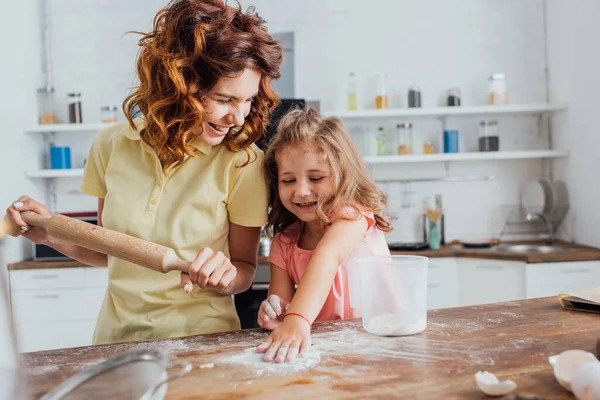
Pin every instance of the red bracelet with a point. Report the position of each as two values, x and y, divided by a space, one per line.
299 315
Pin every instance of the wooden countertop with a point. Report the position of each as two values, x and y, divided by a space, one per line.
512 340
579 253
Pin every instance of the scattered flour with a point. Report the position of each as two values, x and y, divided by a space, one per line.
205 366
396 324
251 358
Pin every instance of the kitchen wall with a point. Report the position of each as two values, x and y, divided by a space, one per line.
458 45
574 62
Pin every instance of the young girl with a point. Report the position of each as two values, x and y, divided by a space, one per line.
324 210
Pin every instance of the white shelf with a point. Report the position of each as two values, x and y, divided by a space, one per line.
449 111
56 173
474 156
49 128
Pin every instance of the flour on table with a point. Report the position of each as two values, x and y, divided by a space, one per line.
396 324
249 357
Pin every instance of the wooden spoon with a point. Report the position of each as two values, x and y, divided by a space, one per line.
138 251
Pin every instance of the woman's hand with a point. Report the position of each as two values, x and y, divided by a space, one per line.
271 312
18 227
290 339
210 268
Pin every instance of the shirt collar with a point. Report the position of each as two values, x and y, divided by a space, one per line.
140 123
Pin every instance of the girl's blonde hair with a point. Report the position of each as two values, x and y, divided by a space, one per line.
352 186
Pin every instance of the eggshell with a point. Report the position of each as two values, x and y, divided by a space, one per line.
586 381
566 363
490 385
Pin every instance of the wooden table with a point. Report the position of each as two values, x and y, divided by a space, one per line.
512 340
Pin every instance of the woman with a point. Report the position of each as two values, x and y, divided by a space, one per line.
184 174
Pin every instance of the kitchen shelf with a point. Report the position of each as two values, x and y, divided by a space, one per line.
474 156
56 173
449 111
50 128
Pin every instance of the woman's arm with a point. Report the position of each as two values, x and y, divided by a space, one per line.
40 236
79 253
243 250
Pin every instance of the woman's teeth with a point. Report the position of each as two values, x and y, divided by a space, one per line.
219 128
312 203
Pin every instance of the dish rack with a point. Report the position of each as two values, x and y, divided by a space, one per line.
518 222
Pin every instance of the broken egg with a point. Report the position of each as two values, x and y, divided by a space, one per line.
490 385
586 381
566 363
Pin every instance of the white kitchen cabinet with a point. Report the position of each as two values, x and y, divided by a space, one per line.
484 281
56 308
549 279
442 283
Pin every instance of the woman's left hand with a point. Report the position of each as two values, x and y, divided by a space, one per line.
286 342
210 268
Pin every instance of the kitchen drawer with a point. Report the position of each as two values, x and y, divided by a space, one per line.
57 305
37 336
51 278
490 281
95 277
441 270
549 279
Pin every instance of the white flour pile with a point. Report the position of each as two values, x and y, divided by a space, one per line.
251 358
396 324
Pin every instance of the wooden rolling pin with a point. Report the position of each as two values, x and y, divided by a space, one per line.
138 251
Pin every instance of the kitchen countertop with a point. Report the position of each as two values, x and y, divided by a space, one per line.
580 253
512 340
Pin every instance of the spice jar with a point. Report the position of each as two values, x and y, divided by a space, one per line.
414 97
488 136
108 114
382 149
428 148
453 99
381 98
405 138
352 92
498 89
46 106
75 116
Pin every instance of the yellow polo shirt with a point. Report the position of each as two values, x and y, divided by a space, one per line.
187 209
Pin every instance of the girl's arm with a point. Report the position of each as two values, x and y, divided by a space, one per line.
292 337
281 291
339 241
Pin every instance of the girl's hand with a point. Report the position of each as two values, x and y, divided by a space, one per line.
271 312
290 339
18 227
210 268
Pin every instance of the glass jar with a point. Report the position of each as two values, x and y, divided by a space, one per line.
382 149
46 106
497 84
488 136
428 148
404 135
414 97
381 98
352 92
108 114
75 116
453 98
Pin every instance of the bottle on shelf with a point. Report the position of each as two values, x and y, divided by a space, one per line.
381 98
75 116
382 149
498 94
46 106
414 97
428 148
404 134
352 92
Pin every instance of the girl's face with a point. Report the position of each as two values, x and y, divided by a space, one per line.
228 104
304 177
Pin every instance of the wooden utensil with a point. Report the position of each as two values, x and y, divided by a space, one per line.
138 251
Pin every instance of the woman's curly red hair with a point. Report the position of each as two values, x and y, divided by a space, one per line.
194 43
